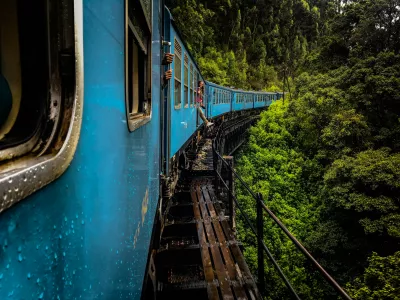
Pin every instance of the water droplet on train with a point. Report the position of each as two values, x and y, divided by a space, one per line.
29 275
63 253
1 276
16 189
5 197
83 222
41 296
8 266
55 256
19 249
19 257
10 180
38 280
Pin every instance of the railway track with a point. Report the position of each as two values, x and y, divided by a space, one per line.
199 256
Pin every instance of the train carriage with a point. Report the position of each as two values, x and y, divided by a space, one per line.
219 99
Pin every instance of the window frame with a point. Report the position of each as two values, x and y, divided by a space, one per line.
178 55
186 81
138 30
22 177
192 85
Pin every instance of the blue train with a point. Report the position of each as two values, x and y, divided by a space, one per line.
88 138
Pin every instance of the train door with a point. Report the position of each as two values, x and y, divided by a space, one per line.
166 98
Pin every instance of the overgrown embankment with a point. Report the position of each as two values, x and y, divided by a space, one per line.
328 164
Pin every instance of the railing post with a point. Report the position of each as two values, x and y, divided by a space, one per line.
231 206
260 239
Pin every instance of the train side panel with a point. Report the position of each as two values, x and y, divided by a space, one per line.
87 234
220 99
184 118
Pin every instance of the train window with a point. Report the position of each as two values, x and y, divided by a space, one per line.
178 74
138 65
192 87
40 72
186 81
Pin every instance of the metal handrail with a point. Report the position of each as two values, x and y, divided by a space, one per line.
299 246
269 254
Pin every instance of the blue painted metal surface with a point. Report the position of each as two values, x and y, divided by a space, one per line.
219 98
184 119
5 100
87 234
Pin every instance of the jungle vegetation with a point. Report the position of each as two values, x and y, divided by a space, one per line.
327 158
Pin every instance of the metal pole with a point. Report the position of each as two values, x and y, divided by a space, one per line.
260 248
230 195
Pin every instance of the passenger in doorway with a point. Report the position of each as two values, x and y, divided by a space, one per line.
199 103
168 59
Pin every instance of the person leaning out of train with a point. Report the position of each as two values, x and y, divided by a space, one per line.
168 59
199 103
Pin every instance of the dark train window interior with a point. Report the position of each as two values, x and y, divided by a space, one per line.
195 82
186 82
37 77
192 86
178 74
138 64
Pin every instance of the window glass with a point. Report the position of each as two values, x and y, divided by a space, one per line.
186 82
191 83
178 74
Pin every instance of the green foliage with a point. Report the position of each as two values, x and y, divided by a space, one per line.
380 281
264 36
368 184
328 164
